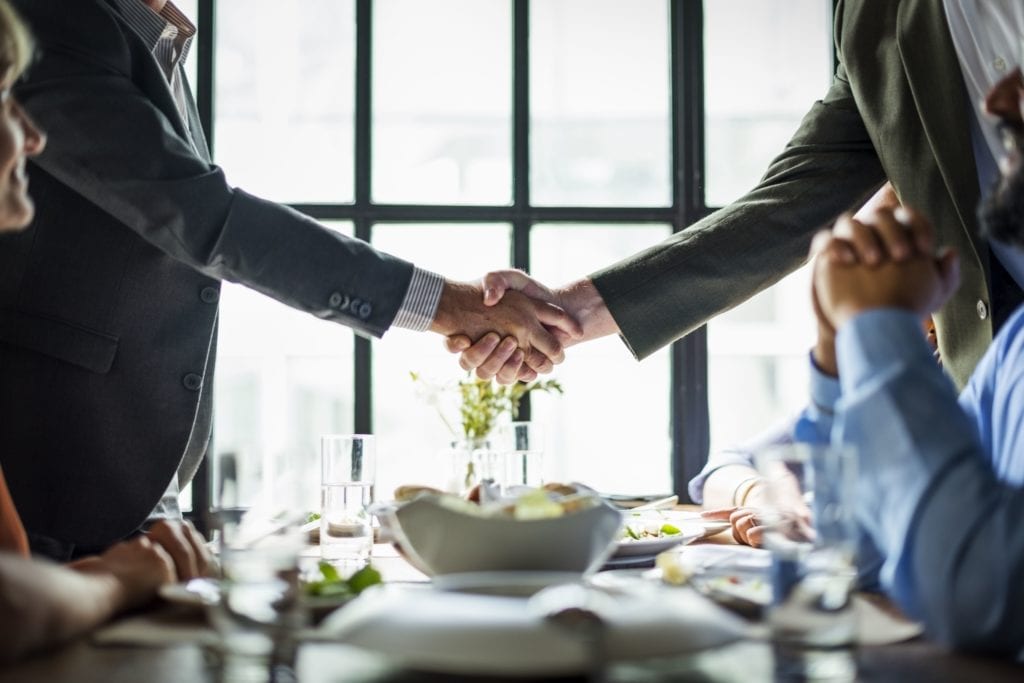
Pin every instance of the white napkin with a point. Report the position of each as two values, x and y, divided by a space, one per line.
432 630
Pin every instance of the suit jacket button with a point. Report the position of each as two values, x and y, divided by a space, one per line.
335 300
209 295
365 310
192 381
982 309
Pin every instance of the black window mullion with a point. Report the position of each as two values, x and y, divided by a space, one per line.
363 353
521 148
689 390
202 482
205 44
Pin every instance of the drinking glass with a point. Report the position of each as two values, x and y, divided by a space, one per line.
348 470
812 533
259 609
522 455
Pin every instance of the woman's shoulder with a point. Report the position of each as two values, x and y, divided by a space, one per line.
87 28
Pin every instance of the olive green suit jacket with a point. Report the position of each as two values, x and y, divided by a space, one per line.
896 109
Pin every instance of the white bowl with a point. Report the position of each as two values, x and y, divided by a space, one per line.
441 540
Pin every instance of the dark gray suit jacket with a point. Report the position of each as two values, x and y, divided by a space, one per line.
897 109
108 302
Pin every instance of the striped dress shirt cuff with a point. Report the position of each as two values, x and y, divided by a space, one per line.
420 304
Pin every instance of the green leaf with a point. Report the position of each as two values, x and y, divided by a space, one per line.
329 573
670 530
363 579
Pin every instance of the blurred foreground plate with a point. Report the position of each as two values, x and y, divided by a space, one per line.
425 629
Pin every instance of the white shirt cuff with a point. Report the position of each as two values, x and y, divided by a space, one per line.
420 303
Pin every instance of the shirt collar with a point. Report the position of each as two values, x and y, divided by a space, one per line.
151 26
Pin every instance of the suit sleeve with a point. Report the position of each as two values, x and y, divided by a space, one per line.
666 291
113 145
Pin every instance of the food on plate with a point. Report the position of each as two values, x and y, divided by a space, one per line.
536 505
552 500
560 489
407 492
641 529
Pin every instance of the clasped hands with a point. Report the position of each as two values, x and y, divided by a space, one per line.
511 327
888 259
884 258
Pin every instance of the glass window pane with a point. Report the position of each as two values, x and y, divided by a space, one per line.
757 366
758 82
283 378
409 431
610 429
599 98
442 101
284 89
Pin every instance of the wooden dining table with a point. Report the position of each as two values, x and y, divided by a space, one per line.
88 661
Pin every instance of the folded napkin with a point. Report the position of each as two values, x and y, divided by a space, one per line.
464 633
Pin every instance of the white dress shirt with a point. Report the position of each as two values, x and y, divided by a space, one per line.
988 36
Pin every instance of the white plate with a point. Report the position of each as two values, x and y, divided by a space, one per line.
629 547
712 526
194 593
678 518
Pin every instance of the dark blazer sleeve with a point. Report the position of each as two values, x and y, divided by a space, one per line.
666 291
111 142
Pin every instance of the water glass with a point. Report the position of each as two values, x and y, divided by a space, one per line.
521 455
259 609
812 533
348 472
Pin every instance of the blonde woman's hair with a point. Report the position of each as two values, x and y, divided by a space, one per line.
15 44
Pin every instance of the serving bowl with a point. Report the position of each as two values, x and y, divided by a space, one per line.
440 538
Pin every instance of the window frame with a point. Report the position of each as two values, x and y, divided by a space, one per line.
688 390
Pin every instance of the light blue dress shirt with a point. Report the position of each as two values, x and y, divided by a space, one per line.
939 478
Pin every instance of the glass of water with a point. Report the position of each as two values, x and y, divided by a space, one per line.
259 609
348 465
522 455
812 533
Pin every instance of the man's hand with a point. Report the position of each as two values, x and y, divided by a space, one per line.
533 328
138 567
579 299
918 282
185 546
857 243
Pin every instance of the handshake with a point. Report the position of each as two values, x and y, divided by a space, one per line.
511 327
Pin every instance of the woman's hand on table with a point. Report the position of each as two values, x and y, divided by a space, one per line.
747 528
170 551
139 567
186 547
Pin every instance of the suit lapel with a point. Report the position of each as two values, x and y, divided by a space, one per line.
150 78
930 62
195 124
